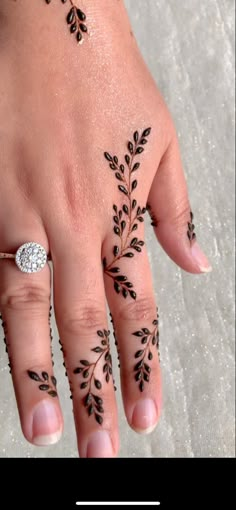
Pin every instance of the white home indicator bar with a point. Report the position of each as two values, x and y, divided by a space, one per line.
118 503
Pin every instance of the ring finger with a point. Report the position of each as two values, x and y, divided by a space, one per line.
25 304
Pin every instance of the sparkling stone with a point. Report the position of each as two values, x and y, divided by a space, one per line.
31 257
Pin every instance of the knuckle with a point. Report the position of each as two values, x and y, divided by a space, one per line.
142 309
29 298
88 317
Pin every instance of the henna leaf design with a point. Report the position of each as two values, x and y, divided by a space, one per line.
154 221
149 339
127 218
89 380
47 383
190 232
75 19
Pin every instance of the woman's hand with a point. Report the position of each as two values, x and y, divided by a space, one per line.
86 143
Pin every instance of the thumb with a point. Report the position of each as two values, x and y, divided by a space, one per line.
171 215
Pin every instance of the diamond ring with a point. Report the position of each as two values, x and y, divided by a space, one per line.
29 258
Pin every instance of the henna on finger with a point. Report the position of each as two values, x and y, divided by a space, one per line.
62 349
4 326
75 19
149 342
87 370
47 383
126 219
116 341
190 232
50 329
154 222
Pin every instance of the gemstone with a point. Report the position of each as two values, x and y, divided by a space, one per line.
31 257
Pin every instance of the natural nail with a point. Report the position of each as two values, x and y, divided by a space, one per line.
99 445
144 417
200 258
47 427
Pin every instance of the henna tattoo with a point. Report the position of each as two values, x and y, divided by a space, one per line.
50 329
149 340
116 342
4 327
190 232
47 383
92 401
127 218
64 365
154 221
75 19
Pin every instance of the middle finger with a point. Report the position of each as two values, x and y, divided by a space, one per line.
80 310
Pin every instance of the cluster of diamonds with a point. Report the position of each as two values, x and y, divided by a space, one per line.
31 257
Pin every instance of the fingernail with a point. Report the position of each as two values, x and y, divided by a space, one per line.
144 417
47 428
100 445
200 258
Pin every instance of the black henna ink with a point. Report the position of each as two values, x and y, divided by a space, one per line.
116 342
64 365
4 326
47 383
127 218
75 19
190 232
150 341
50 330
154 221
92 401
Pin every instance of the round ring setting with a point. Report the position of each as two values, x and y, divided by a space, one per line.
31 257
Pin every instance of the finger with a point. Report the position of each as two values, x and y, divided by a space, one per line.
24 303
168 204
136 332
80 311
129 288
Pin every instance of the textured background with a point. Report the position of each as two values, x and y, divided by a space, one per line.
188 46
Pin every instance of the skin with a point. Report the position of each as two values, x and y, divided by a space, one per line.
61 106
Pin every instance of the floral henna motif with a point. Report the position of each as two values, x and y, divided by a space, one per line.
75 19
154 221
190 232
150 341
92 401
127 218
47 383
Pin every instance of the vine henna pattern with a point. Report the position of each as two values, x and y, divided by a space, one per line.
127 218
150 341
190 232
75 19
87 369
47 383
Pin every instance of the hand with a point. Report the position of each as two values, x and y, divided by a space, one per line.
86 143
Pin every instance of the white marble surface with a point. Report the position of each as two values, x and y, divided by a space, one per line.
188 45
